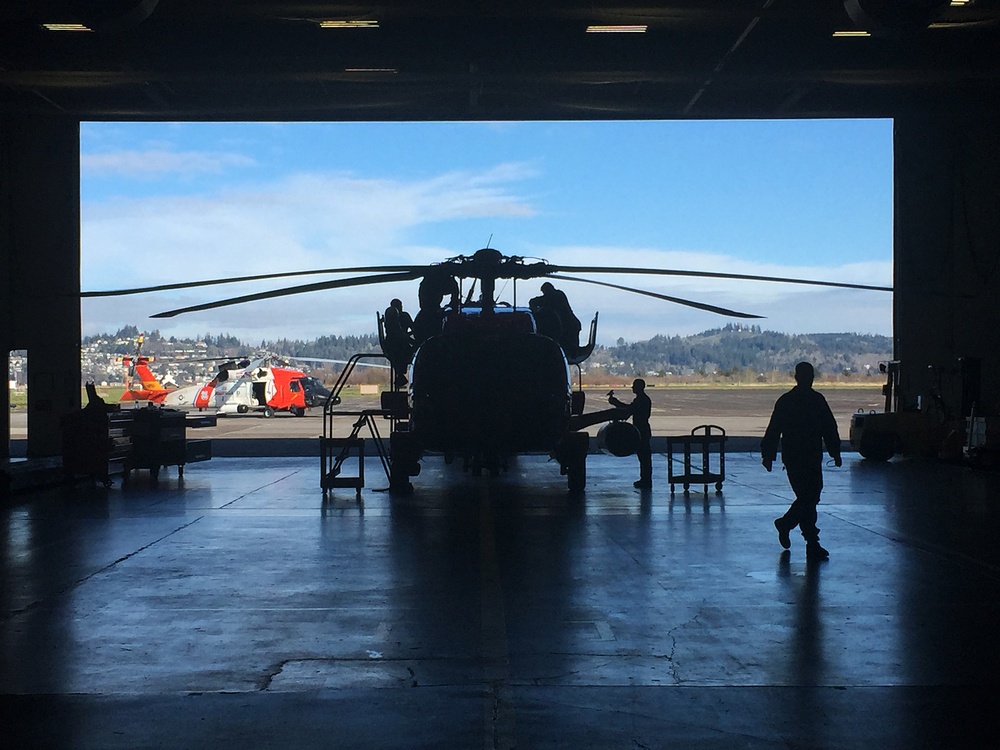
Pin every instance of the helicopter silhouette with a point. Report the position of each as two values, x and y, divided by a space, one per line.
486 379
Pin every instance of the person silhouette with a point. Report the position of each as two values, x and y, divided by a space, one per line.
435 286
803 423
640 409
555 318
399 343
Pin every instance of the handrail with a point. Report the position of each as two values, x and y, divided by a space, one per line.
583 352
334 398
330 464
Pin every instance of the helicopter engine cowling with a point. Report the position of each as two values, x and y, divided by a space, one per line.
490 393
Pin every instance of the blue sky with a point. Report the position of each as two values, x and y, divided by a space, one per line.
168 202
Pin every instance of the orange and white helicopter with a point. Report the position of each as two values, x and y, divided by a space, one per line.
263 384
140 382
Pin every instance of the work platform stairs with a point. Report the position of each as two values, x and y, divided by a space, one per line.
336 450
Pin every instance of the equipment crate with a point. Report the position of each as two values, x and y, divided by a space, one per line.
96 443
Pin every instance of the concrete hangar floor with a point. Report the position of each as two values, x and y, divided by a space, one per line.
236 608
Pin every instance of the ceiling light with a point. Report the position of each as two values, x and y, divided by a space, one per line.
960 3
66 27
842 34
332 24
370 70
621 29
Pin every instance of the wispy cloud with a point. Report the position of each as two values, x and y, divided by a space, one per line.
322 220
785 307
159 161
302 221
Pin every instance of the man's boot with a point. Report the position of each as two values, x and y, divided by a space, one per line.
782 526
815 552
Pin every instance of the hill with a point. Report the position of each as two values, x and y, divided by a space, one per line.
743 349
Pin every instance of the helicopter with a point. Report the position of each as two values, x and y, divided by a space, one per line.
449 402
264 384
140 382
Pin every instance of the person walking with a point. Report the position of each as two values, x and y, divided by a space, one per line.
803 423
639 409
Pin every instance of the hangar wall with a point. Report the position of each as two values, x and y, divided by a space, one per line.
947 261
40 269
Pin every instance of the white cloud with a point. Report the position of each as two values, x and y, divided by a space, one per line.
789 308
324 220
159 161
303 221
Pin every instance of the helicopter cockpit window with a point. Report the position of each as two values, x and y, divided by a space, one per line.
295 387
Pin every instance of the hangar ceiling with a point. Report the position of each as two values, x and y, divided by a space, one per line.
439 60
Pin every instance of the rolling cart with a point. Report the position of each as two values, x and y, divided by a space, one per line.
704 441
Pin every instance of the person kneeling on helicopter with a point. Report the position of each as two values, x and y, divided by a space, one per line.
555 318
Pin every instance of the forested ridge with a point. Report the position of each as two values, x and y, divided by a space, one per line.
744 348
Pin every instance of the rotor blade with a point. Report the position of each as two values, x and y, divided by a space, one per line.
339 362
237 279
678 300
714 275
288 291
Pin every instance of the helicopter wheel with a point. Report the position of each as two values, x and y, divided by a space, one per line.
268 412
577 446
576 475
404 462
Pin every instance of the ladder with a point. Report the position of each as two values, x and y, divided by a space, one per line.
335 451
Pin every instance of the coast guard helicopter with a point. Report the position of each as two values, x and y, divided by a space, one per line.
140 382
454 403
264 384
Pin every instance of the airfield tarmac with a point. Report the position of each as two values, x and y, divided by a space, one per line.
740 411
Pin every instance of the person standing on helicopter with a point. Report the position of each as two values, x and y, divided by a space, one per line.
640 409
399 343
436 285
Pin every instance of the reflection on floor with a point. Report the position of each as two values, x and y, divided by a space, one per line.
237 608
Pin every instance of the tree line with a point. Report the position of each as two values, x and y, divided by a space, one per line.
744 348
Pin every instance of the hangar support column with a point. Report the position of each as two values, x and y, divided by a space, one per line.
40 268
946 316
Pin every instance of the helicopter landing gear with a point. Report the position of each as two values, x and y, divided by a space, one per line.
404 462
572 456
491 462
268 412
